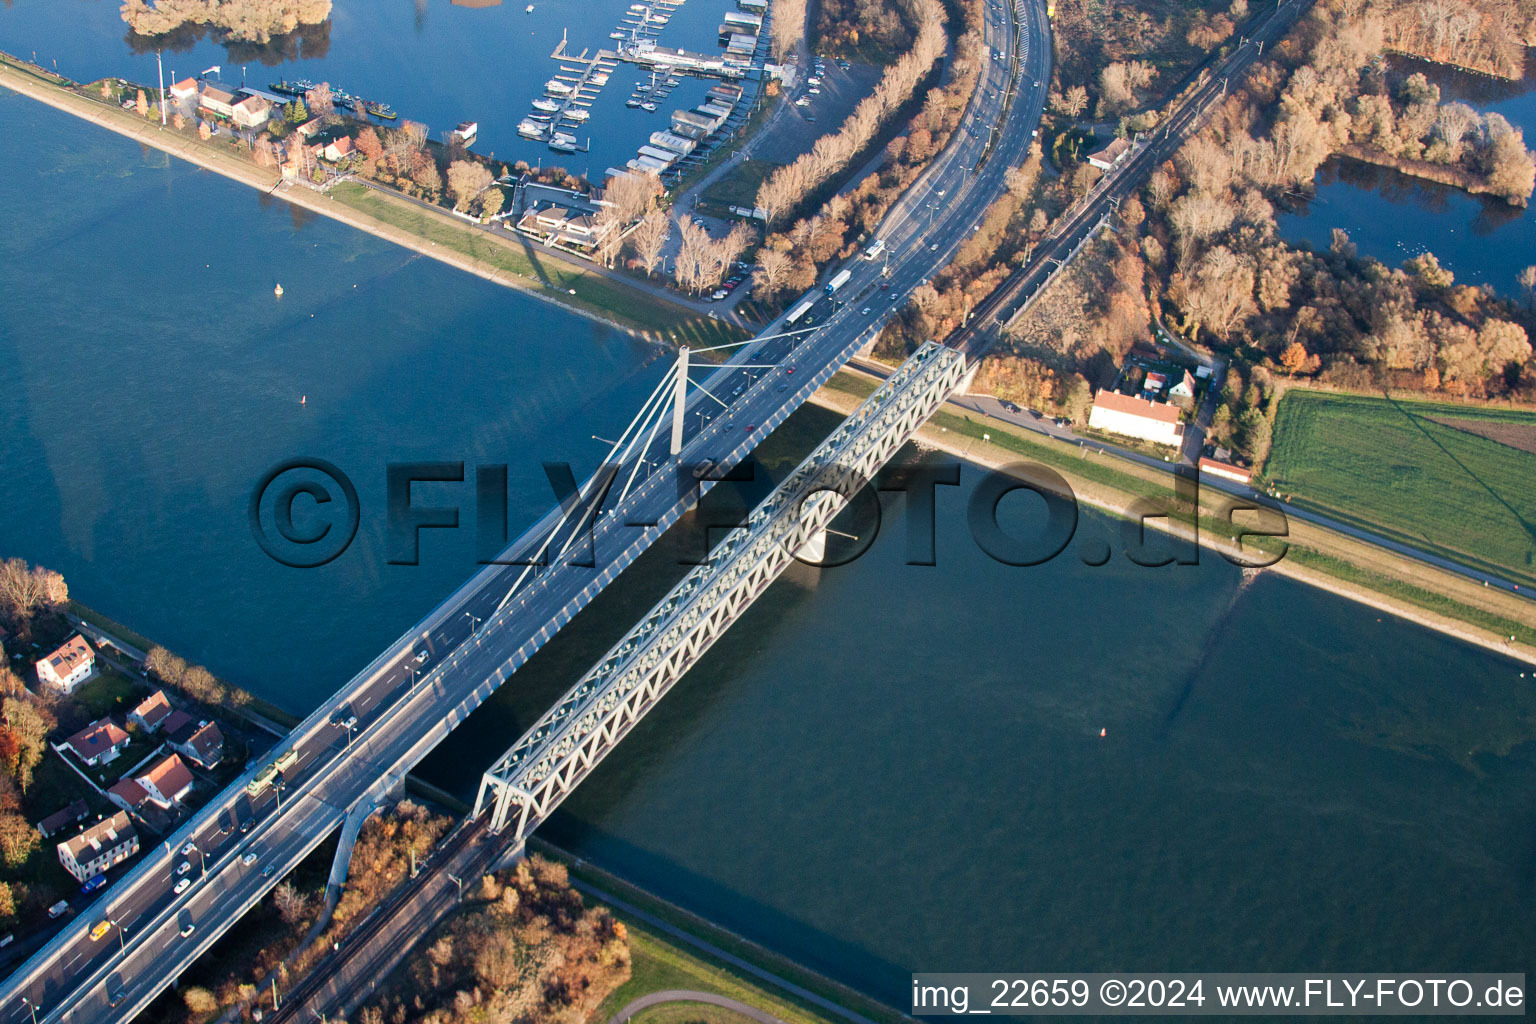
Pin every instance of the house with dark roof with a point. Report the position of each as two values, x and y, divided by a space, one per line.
58 821
99 847
98 743
1108 157
201 743
174 722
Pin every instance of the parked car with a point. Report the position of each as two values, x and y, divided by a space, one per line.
59 908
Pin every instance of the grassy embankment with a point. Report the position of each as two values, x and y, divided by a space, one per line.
1442 600
432 232
1396 468
662 961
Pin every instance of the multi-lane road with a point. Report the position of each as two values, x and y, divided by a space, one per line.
357 745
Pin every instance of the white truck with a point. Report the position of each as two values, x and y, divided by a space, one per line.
840 279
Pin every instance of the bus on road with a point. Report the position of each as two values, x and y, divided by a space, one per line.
264 778
799 311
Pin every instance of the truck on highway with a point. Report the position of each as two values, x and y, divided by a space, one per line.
838 281
800 311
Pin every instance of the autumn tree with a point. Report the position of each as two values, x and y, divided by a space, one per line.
466 179
199 1001
368 144
1294 357
7 901
29 724
17 839
142 104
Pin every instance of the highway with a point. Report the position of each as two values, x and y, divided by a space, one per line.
357 746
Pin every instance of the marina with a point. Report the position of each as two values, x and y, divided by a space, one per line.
571 92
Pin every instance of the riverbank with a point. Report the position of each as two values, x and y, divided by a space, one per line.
1434 598
1444 174
429 232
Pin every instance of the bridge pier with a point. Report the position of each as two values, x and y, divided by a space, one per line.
569 740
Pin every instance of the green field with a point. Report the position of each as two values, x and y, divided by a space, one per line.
1389 466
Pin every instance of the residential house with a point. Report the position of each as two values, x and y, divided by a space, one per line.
201 743
309 128
251 112
217 101
98 743
151 712
60 820
184 91
99 847
1182 384
167 781
68 666
174 722
129 795
1225 470
1107 158
338 149
1136 417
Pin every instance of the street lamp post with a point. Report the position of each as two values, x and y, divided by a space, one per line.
31 1008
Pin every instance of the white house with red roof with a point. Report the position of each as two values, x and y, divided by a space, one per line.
98 743
69 666
1142 418
151 712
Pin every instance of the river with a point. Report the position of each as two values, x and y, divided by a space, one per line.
883 768
1394 217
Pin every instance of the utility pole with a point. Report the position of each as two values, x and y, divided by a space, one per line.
275 1004
160 68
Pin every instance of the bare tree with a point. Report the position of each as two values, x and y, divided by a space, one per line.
773 268
650 238
291 904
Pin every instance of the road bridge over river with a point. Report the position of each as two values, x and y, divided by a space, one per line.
356 747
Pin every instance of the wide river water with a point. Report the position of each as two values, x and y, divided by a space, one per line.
882 768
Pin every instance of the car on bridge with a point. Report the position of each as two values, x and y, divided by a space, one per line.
421 656
102 927
182 886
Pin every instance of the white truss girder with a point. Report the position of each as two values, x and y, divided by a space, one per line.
574 735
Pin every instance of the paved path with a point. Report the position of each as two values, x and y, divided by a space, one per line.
682 995
672 931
